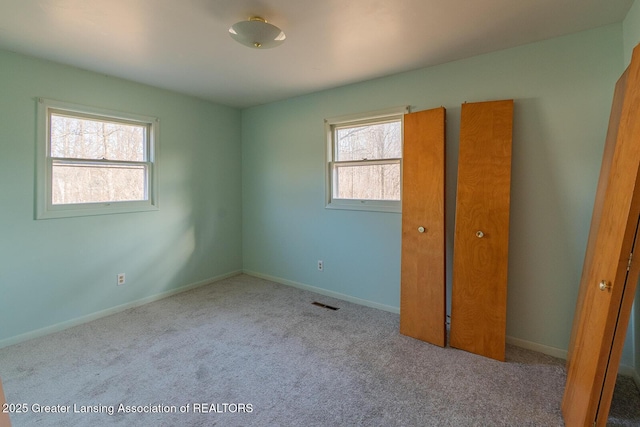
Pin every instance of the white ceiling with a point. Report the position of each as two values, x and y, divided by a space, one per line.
183 45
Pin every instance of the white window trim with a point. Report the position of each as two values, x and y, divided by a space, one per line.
44 209
393 206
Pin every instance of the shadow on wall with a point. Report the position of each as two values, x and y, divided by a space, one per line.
550 216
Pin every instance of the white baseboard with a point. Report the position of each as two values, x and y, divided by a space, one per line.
529 345
325 292
624 370
540 348
109 311
627 371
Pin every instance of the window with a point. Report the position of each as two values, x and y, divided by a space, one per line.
364 156
92 161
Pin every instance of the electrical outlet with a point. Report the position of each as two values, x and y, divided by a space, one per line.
320 265
120 279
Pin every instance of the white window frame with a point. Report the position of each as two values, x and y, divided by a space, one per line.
394 206
45 209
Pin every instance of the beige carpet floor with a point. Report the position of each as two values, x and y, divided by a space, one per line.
249 352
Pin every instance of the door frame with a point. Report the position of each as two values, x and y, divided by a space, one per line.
610 275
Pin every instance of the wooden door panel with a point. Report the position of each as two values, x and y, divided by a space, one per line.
481 238
423 286
4 417
602 315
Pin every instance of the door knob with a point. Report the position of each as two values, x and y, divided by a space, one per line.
604 285
421 229
479 234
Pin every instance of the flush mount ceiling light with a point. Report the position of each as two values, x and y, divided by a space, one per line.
257 33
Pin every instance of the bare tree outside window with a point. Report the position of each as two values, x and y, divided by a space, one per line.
94 161
97 161
367 161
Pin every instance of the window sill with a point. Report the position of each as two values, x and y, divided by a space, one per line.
366 205
90 209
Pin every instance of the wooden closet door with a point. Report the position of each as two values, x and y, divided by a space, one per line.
610 272
423 286
4 417
481 238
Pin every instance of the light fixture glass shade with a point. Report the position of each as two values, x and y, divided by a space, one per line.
257 33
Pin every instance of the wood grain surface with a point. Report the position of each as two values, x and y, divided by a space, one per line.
423 285
481 238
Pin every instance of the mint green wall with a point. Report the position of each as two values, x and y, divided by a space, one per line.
58 270
562 89
631 37
631 31
260 207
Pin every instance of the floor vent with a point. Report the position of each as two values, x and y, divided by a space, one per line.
319 304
